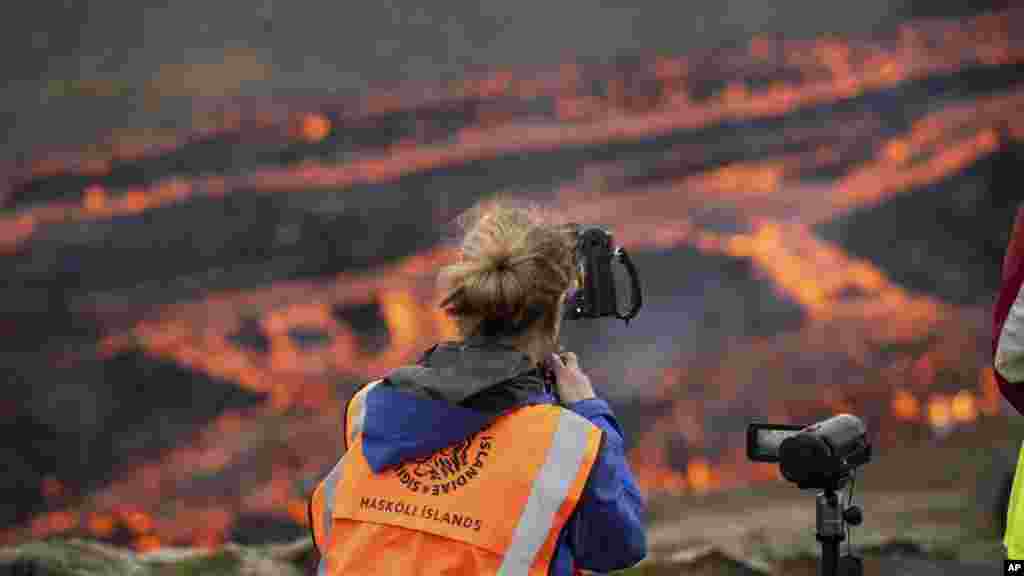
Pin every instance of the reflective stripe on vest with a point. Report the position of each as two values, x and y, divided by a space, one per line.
550 488
323 496
506 492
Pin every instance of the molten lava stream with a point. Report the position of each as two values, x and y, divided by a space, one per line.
818 276
197 334
836 70
815 275
790 254
286 451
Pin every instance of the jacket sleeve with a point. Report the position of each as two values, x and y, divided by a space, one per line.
607 530
1008 321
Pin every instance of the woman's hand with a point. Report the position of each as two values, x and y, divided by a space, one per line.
571 383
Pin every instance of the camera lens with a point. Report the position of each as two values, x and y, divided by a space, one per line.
803 458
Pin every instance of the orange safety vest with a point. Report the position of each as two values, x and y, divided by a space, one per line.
494 503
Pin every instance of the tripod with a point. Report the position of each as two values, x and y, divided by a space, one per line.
830 518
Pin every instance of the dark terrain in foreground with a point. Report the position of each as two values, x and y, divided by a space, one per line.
931 506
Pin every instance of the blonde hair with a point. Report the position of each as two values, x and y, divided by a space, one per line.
515 261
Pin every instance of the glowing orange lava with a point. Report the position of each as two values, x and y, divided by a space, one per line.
853 309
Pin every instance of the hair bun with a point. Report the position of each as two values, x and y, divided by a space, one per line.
511 261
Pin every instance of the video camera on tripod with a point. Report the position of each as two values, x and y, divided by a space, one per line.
823 456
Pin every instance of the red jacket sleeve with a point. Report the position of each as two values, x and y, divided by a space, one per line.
1013 278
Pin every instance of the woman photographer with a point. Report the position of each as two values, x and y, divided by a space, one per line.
467 463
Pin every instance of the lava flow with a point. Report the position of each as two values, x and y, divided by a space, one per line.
659 157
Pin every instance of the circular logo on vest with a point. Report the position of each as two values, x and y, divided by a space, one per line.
448 469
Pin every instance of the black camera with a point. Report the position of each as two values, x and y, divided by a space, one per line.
597 295
818 456
823 457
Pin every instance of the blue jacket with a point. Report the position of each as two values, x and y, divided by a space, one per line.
458 389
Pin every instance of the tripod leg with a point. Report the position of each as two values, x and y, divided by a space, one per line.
829 557
850 566
830 531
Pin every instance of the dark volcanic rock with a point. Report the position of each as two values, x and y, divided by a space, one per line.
367 323
82 424
960 228
249 238
240 151
252 529
250 335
